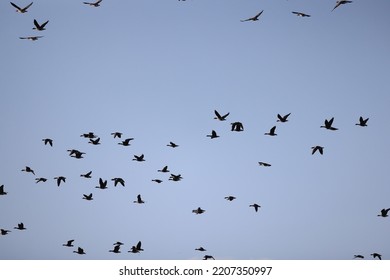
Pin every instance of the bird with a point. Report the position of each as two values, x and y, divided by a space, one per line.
86 175
20 227
4 231
300 14
94 141
338 3
102 184
317 148
117 134
208 257
76 153
126 142
21 10
256 206
172 145
174 177
94 4
230 198
255 18
198 211
116 249
164 169
139 200
213 134
2 192
157 181
137 248
237 126
39 27
261 163
88 135
87 197
118 181
271 132
48 141
384 212
328 124
284 118
376 255
358 256
40 180
31 38
28 169
201 249
362 122
139 158
59 179
118 243
79 251
220 117
69 243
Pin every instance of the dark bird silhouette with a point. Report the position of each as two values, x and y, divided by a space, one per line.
102 184
299 14
172 145
4 231
69 243
213 135
198 211
118 181
255 18
284 118
76 153
201 249
174 177
20 227
256 206
384 212
208 257
94 4
137 248
59 179
358 256
362 122
94 141
164 169
317 148
40 180
2 192
117 134
28 169
237 126
261 163
21 10
271 132
116 249
87 175
139 200
342 2
376 255
126 142
31 38
230 198
48 141
220 117
157 181
89 135
328 124
39 27
79 251
139 158
87 197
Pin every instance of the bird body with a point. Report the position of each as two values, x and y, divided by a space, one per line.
94 4
137 248
116 249
79 251
172 144
164 169
230 198
283 118
358 256
4 231
376 255
94 141
117 134
20 227
208 257
157 181
174 177
28 169
261 163
126 142
237 126
40 180
201 249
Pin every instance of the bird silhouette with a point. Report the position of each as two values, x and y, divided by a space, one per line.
48 141
376 255
117 134
69 243
126 142
201 249
220 117
60 179
237 126
317 148
79 251
116 249
358 256
299 14
31 38
208 257
102 184
271 132
89 135
94 141
362 122
198 211
137 248
118 243
164 169
2 192
230 198
21 10
262 163
213 134
256 206
87 197
28 170
139 200
157 181
174 177
118 181
87 175
139 158
76 153
40 180
94 4
20 227
342 2
39 27
4 231
328 124
255 18
384 212
172 145
284 118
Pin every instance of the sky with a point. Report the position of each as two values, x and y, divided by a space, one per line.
156 70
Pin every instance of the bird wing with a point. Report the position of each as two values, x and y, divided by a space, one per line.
139 245
217 114
16 6
272 131
331 121
38 26
256 16
28 6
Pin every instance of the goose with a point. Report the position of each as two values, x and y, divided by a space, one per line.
118 181
201 249
87 197
328 124
338 3
69 243
237 126
299 14
48 141
118 243
255 18
94 4
75 153
175 177
59 179
198 211
384 212
139 158
362 122
79 251
164 169
28 169
88 135
261 163
172 145
358 256
20 227
2 192
102 184
40 27
139 200
31 38
271 132
284 118
126 142
158 181
21 10
4 231
317 148
116 249
87 175
220 117
40 180
94 142
117 134
230 198
376 255
256 206
213 134
136 249
208 257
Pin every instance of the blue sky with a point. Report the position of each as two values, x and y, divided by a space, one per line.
156 71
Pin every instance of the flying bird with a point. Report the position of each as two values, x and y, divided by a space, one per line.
237 126
79 251
271 132
261 163
174 177
358 256
136 249
317 148
118 181
69 243
89 135
94 141
208 257
116 249
102 184
139 158
299 14
173 145
220 117
87 197
20 227
4 231
76 153
164 169
362 122
376 255
384 212
201 249
117 134
255 18
59 179
118 243
126 142
213 135
21 10
198 211
31 38
40 180
256 206
40 27
328 124
94 4
284 118
230 198
48 141
139 200
87 175
28 169
157 181
342 2
2 192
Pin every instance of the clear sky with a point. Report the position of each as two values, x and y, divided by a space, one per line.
156 70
